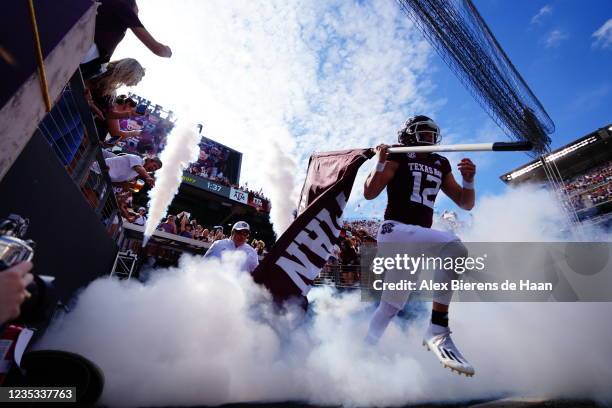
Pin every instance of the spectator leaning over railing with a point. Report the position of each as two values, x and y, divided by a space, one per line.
121 105
122 169
113 19
100 91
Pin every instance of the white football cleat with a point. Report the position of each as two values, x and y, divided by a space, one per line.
443 347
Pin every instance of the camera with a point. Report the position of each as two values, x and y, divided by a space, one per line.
15 249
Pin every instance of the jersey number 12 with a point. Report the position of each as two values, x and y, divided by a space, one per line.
428 195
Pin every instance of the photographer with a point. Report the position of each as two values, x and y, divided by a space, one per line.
13 283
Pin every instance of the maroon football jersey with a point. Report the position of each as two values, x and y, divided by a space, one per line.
412 191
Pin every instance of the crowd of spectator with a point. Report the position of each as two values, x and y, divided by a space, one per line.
595 176
184 225
600 194
343 267
369 227
591 188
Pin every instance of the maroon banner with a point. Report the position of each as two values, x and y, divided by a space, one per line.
296 259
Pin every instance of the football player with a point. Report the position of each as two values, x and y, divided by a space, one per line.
412 181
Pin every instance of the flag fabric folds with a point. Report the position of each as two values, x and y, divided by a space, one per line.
293 263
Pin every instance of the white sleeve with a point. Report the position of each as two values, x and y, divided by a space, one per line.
252 261
213 250
107 155
135 160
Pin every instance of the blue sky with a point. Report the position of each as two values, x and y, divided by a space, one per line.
279 80
552 46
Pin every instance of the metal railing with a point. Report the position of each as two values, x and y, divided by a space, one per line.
340 276
70 130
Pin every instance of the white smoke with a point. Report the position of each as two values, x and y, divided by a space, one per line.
203 333
523 214
281 171
181 149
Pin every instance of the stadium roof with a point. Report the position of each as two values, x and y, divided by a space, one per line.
570 159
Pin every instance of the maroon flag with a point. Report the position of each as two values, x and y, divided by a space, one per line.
299 254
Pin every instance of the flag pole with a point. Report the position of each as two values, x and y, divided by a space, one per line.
470 147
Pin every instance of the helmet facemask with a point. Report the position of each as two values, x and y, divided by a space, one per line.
420 132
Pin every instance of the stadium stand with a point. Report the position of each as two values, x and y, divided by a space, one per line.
584 167
209 201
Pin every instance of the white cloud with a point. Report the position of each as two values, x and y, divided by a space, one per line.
278 80
544 11
603 35
554 38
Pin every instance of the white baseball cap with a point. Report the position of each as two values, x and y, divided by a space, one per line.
241 225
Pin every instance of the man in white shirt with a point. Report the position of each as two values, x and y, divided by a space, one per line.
126 167
236 242
142 217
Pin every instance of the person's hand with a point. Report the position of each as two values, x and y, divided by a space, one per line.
165 51
467 169
13 283
150 181
381 151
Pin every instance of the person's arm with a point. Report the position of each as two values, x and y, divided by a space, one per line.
151 43
123 209
142 172
380 177
13 283
252 261
113 114
212 251
464 197
115 130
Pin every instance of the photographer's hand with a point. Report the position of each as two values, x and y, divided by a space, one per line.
13 283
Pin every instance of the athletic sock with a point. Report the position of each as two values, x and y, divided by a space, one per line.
380 320
439 318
